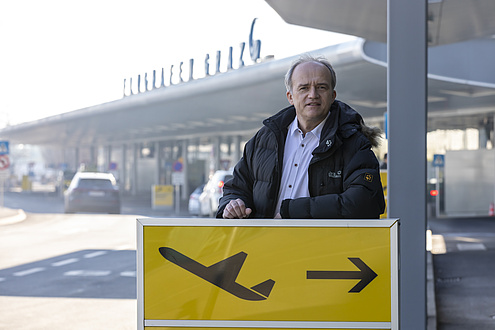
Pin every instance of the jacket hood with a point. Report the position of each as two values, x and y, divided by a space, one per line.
349 122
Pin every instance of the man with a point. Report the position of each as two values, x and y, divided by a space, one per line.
313 159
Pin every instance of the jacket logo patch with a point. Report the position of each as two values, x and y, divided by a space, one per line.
335 175
329 143
368 177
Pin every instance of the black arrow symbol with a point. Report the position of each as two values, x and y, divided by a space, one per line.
365 274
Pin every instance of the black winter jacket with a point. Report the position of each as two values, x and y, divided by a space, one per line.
344 175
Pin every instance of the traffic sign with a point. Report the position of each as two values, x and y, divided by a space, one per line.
4 162
438 160
257 273
4 147
178 166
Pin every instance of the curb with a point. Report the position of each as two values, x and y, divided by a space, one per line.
431 306
11 219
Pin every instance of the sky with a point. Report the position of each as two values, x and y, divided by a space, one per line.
59 56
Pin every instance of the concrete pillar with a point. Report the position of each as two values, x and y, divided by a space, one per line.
93 156
123 169
157 163
237 149
185 190
108 158
215 165
407 118
134 169
492 132
76 158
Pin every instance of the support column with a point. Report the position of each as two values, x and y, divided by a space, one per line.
215 161
185 190
158 155
134 170
237 149
93 154
108 158
76 159
407 115
123 172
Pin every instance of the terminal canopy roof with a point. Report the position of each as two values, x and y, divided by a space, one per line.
461 84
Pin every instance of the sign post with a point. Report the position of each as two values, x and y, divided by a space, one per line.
438 163
4 166
178 180
290 274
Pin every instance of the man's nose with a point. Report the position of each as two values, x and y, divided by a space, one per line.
313 92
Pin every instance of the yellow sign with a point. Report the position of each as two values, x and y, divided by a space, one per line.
384 180
163 195
207 271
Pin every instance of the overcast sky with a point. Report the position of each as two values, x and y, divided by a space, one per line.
60 56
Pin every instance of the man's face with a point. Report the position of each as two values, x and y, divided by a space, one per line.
312 93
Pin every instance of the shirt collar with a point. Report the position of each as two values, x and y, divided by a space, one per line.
294 127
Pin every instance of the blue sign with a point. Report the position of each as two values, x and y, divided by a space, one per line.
438 160
177 167
4 147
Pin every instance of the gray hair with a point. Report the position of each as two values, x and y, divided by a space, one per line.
304 59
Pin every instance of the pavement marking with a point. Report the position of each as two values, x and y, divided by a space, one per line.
88 273
471 247
29 271
65 262
95 254
128 274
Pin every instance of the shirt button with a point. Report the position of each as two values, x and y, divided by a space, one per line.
290 186
295 165
302 145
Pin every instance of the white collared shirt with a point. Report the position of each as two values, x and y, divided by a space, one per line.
297 156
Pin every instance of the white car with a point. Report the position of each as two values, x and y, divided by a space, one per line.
212 192
194 205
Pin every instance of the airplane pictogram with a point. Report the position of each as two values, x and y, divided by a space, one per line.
222 274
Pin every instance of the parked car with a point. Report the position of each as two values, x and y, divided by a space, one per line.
194 205
92 192
212 192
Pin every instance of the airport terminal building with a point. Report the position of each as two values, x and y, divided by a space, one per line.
177 130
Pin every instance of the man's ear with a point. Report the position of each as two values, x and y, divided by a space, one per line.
289 98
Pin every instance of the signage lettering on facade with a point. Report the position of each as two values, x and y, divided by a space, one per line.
254 53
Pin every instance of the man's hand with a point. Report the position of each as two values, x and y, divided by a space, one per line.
236 209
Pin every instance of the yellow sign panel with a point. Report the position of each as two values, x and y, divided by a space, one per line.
268 273
163 195
384 180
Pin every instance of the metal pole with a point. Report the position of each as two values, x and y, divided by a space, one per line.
406 92
437 187
2 190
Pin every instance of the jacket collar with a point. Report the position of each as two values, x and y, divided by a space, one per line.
343 120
